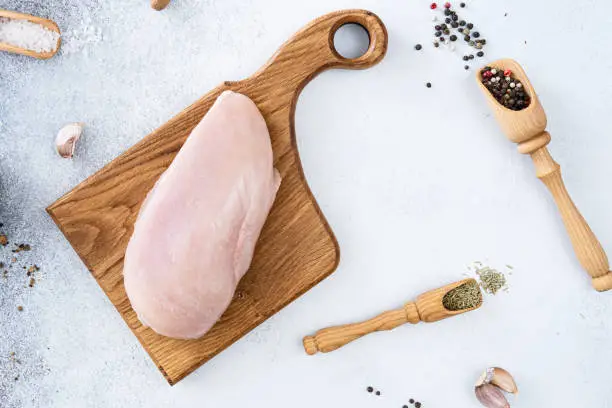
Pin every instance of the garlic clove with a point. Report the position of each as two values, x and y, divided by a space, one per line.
504 380
491 397
66 139
500 378
159 4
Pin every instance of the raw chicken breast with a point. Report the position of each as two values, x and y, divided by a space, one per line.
196 231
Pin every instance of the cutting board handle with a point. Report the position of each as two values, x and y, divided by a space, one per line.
312 51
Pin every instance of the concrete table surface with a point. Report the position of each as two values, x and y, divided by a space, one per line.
417 183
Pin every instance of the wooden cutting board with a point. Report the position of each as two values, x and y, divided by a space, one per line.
297 248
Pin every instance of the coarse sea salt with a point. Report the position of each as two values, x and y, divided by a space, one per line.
26 34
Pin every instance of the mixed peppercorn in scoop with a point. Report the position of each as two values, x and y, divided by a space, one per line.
508 90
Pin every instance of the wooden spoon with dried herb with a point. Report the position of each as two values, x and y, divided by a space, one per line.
438 304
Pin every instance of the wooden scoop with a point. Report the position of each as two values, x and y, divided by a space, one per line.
50 24
428 308
527 128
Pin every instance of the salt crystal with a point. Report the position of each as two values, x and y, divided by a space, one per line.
28 35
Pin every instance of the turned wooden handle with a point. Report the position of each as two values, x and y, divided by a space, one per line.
332 338
588 249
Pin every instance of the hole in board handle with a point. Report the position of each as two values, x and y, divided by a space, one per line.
351 40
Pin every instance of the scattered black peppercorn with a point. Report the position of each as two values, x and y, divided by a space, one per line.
378 393
370 389
471 56
466 67
417 404
466 58
418 47
462 23
470 25
480 54
462 5
447 20
455 17
475 34
454 24
428 84
438 33
447 12
453 37
467 38
460 30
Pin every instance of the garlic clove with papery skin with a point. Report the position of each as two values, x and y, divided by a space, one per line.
66 139
500 378
491 397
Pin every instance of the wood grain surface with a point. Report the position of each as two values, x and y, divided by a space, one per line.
297 248
428 308
50 24
527 128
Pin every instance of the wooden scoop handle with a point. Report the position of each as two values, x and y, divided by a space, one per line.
333 338
588 249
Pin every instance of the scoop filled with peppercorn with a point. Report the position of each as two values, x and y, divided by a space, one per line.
505 87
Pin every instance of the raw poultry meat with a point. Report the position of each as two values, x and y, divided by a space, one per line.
197 229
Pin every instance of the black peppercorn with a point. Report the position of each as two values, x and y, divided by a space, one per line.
436 44
378 393
470 25
447 12
453 37
462 5
428 84
454 24
447 20
460 29
471 56
438 33
417 404
466 67
438 28
480 54
411 401
455 17
465 58
443 26
418 47
476 34
462 23
370 389
467 38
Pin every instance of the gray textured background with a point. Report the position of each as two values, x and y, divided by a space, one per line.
416 183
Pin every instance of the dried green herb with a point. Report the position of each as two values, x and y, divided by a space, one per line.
491 280
463 297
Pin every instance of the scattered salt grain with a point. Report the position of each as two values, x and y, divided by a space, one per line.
28 35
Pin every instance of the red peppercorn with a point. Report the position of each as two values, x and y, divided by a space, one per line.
507 72
487 74
434 6
447 5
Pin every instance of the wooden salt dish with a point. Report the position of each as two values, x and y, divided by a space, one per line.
527 128
50 24
427 308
